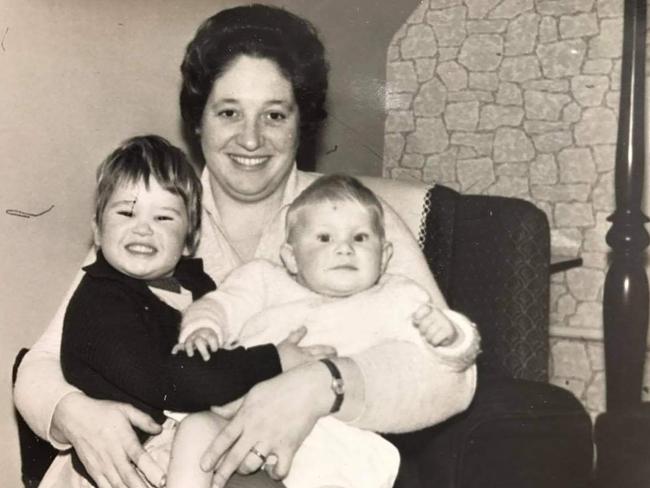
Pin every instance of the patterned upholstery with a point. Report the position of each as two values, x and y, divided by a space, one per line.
490 256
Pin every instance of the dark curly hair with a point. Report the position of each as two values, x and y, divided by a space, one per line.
260 31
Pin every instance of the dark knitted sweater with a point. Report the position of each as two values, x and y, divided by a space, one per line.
117 341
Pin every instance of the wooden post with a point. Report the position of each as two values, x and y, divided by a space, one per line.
625 304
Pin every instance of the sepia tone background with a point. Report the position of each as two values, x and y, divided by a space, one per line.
507 97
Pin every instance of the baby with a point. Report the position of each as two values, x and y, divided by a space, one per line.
333 283
123 318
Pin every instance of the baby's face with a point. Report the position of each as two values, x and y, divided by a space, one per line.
143 231
336 250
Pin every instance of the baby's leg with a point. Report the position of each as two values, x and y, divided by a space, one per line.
193 436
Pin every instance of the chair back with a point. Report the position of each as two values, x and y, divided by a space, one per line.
491 257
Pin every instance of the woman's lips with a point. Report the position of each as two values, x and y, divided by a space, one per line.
249 161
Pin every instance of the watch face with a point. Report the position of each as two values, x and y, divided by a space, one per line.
337 386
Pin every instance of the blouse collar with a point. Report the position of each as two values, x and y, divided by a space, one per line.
292 189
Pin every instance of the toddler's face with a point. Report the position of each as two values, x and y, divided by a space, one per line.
143 231
336 250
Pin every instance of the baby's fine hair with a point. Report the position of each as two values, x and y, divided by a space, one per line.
336 188
141 158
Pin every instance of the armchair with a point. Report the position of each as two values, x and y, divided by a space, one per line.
490 256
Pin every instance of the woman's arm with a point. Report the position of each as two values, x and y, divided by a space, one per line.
277 415
408 259
401 377
40 385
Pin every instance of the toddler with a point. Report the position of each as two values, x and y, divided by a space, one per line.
333 283
123 319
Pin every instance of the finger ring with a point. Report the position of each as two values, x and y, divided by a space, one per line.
258 454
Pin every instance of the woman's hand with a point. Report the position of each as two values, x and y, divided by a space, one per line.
292 354
274 418
102 434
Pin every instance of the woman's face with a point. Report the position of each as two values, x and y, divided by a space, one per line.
249 130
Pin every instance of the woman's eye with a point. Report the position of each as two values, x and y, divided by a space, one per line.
125 213
323 237
227 113
164 217
361 237
276 116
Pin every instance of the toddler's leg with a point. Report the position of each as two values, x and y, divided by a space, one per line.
193 436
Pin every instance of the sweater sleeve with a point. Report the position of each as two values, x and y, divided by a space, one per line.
401 377
408 259
111 352
242 294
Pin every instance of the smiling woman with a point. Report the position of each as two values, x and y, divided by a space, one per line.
254 82
249 130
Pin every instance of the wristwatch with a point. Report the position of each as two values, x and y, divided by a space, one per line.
337 385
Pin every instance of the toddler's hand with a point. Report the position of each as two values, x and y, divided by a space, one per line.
434 326
292 355
204 340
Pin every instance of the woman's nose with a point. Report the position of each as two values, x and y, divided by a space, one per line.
250 136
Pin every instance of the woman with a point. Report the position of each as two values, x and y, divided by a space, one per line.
254 85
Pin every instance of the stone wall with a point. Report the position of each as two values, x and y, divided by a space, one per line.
519 98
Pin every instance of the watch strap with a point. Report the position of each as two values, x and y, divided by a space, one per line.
337 384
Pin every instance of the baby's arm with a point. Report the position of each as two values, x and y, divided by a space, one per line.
205 340
225 310
461 351
387 312
454 338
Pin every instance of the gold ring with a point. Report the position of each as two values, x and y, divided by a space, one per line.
258 454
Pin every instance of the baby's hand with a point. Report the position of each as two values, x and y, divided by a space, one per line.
434 326
204 340
292 355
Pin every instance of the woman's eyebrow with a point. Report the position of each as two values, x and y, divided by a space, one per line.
287 103
224 100
273 101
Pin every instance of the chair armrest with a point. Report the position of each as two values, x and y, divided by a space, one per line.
515 433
